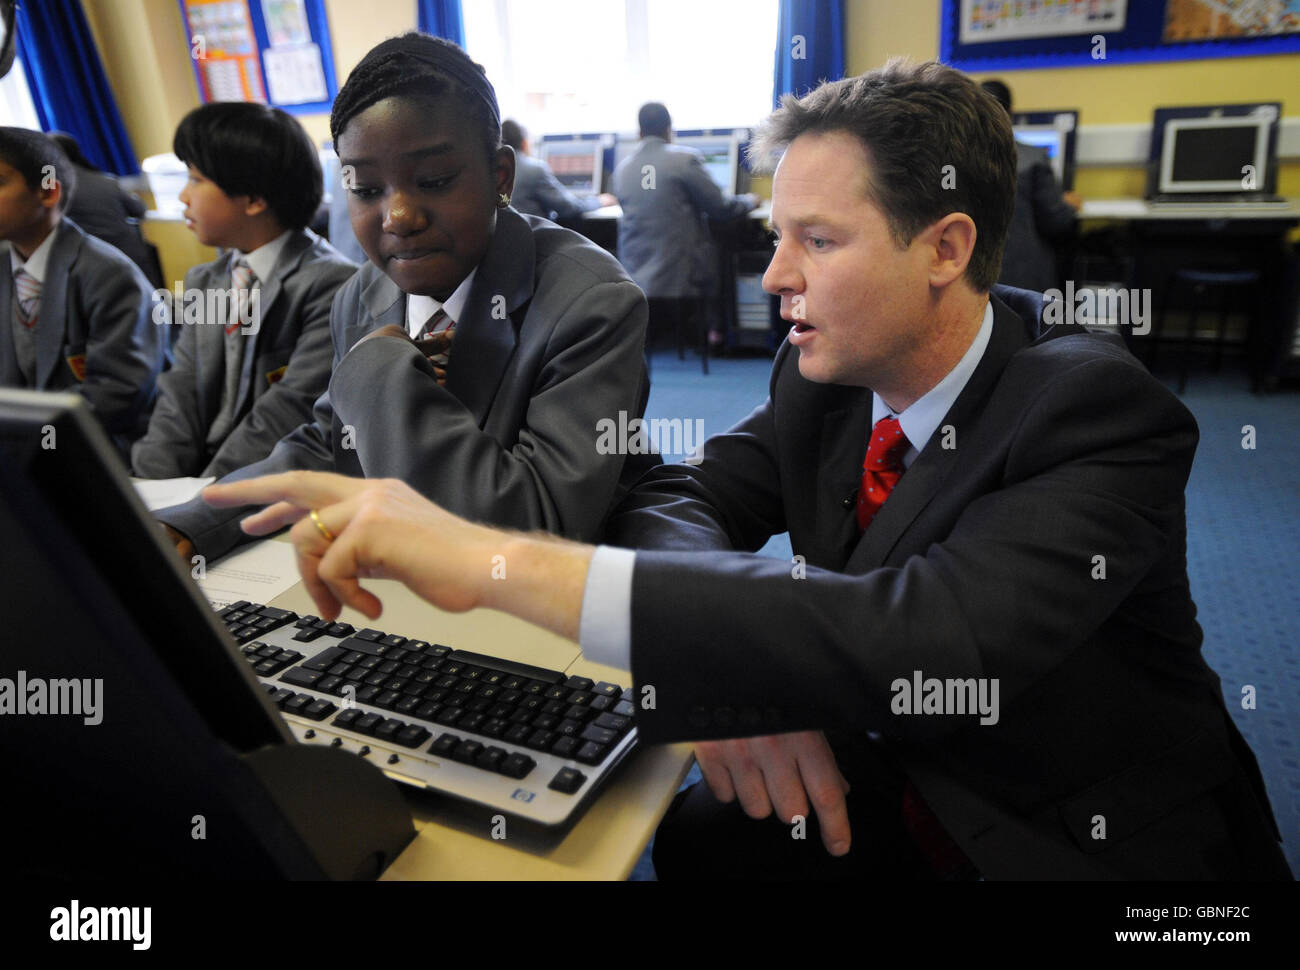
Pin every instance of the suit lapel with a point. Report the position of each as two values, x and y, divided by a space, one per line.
927 473
843 446
291 255
52 318
485 337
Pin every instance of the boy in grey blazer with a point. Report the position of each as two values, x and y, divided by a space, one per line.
234 391
76 314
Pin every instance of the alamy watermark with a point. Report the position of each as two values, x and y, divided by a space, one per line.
953 695
199 307
80 697
1102 307
646 436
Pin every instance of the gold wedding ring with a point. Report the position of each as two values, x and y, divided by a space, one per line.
329 536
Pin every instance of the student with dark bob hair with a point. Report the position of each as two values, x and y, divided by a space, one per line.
477 351
253 353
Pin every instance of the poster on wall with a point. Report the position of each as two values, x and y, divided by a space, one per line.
225 50
295 72
1192 20
988 21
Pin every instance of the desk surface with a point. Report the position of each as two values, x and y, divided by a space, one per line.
1141 210
454 840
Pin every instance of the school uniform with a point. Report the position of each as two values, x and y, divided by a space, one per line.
231 395
79 316
548 340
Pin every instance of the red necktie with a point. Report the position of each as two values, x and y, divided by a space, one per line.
881 470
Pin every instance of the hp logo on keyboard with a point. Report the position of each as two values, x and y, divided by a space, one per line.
522 795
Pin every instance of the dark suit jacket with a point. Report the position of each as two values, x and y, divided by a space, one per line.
103 209
1041 218
980 565
96 310
550 341
286 367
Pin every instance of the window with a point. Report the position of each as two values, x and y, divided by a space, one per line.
586 65
16 107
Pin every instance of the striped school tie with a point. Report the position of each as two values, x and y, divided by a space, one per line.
241 281
431 330
29 297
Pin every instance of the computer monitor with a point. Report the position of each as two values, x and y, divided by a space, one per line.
1056 131
165 756
578 161
1221 149
723 153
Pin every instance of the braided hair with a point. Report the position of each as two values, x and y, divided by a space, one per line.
420 65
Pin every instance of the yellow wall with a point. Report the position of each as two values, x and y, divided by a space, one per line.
1104 95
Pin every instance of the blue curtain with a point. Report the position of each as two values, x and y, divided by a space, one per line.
442 19
68 83
809 46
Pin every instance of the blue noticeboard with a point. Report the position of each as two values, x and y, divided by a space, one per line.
1152 30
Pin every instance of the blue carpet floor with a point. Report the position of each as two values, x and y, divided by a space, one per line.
1243 525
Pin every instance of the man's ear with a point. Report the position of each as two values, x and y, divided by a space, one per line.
953 241
504 169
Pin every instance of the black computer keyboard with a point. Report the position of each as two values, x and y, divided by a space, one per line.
486 729
1219 198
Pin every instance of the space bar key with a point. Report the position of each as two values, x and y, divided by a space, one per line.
509 666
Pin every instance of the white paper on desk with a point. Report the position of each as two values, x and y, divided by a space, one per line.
161 493
258 574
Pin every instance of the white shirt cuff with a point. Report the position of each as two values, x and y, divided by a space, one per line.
605 629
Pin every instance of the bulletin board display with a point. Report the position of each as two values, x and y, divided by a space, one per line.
270 51
999 35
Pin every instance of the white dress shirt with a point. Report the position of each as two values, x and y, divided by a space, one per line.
605 629
34 264
420 309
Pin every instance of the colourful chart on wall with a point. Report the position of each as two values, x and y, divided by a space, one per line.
268 51
987 21
225 50
1187 20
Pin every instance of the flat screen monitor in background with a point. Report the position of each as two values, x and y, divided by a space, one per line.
160 720
1057 131
1228 149
578 161
723 151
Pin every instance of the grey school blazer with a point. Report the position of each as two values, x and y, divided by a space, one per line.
550 342
663 237
286 368
95 334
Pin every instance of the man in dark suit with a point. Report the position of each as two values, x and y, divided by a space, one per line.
984 659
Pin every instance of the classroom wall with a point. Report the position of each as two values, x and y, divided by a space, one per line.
1104 95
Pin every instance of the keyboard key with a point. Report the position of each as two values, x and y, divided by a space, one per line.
367 723
521 716
368 635
494 727
330 685
326 659
288 657
600 702
389 667
557 693
517 765
340 630
306 621
408 671
569 727
467 751
387 699
427 710
490 758
600 735
318 710
275 613
470 672
417 646
534 687
296 703
369 663
624 709
613 722
565 746
321 625
306 635
407 704
579 697
509 696
555 708
367 695
388 730
445 745
606 689
514 682
265 650
579 713
301 677
591 753
392 640
545 722
280 696
340 669
396 685
396 653
540 740
517 733
412 736
448 715
567 781
479 705
346 717
578 683
267 668
233 608
377 679
471 720
438 650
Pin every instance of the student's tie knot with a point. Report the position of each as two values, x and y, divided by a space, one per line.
881 469
28 288
242 281
435 341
